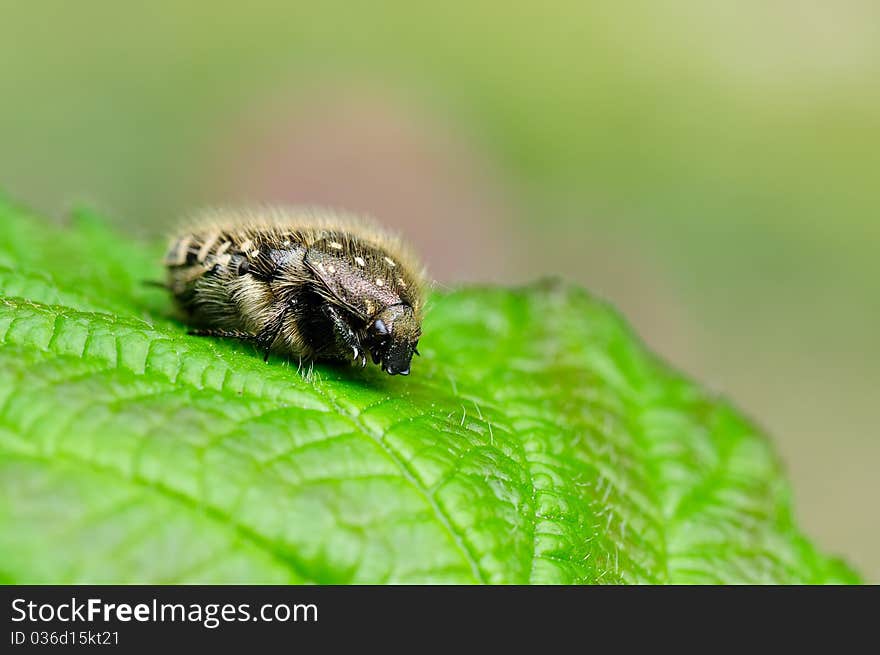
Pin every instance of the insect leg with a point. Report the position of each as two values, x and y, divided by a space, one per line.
225 334
266 337
345 334
263 339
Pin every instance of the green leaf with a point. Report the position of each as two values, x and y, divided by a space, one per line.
535 442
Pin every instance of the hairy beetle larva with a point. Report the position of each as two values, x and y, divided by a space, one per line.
307 284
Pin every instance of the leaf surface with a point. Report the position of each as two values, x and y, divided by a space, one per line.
536 441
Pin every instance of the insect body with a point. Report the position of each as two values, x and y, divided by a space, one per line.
309 285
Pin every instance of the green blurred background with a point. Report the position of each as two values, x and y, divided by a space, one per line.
711 168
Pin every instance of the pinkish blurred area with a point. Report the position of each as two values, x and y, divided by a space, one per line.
356 149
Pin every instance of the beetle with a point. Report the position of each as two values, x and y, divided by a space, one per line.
317 285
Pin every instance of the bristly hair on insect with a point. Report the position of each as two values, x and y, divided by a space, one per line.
309 284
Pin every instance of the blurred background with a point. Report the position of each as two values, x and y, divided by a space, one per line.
711 168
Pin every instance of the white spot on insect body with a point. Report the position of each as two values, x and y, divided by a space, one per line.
335 245
401 283
331 268
380 282
247 246
360 261
390 262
